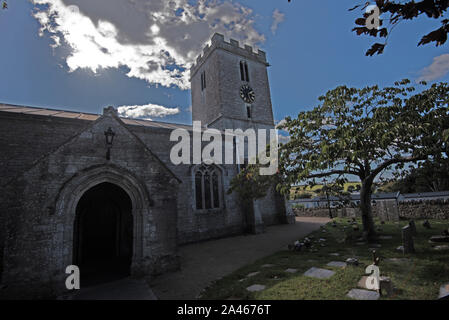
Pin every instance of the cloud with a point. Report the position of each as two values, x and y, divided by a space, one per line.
280 123
156 41
438 69
146 111
278 17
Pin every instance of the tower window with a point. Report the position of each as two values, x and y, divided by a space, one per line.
203 80
244 74
248 111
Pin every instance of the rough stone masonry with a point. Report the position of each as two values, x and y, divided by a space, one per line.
63 202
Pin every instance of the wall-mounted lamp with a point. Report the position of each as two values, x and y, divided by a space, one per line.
109 135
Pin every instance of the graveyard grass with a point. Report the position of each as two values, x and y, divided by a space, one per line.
414 276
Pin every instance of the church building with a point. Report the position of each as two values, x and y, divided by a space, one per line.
101 192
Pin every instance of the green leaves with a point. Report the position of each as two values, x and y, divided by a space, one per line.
355 129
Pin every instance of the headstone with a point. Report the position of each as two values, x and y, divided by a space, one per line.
268 265
352 261
252 274
291 270
392 210
413 227
319 273
334 254
439 239
360 294
444 291
255 288
337 264
386 286
407 240
385 237
341 212
441 248
387 210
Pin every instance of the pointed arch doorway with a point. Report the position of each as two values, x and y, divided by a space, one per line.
103 234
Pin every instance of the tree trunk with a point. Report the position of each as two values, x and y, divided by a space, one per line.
365 207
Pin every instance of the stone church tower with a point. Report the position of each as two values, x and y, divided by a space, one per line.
230 87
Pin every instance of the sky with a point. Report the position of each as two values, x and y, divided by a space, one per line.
135 55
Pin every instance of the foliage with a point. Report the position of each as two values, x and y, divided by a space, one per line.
362 132
400 11
250 184
427 177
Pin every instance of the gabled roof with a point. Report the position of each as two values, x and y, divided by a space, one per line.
86 116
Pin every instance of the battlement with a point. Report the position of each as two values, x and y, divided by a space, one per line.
233 46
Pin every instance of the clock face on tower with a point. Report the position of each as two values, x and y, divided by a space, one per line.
247 94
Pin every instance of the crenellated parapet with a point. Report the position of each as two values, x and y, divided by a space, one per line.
218 42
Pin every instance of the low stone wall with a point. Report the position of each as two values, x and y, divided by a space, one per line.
424 210
313 212
407 210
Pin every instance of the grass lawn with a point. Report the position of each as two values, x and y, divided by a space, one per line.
414 276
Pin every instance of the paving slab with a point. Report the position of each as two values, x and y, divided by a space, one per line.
319 273
360 294
291 270
256 288
338 264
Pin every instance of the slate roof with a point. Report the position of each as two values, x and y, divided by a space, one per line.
86 116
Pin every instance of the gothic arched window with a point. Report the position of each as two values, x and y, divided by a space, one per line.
207 187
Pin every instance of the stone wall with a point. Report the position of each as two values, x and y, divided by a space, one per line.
408 210
39 209
312 212
424 210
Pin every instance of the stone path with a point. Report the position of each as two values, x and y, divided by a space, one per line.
207 261
124 289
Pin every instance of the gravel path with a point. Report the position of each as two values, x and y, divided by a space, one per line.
206 261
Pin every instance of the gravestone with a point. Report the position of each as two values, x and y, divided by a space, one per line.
426 224
413 227
407 240
252 274
386 286
255 288
444 291
319 273
353 212
341 212
338 264
291 270
360 294
387 210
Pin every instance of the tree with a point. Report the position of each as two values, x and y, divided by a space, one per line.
4 5
429 176
362 132
398 12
